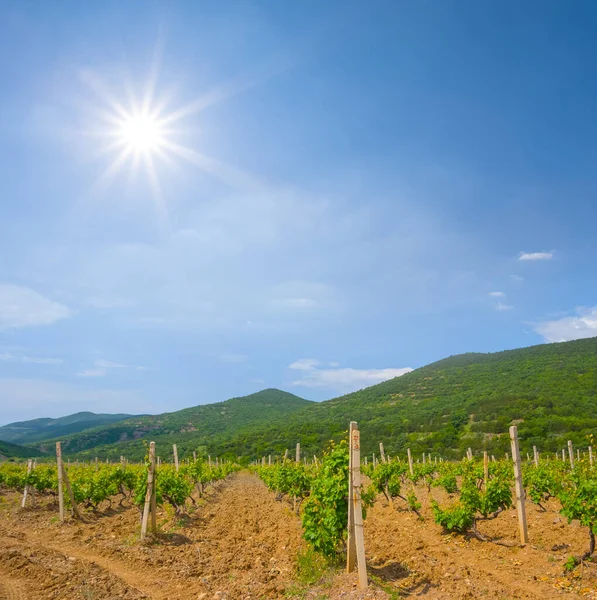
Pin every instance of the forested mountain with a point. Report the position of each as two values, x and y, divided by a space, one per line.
37 430
549 391
190 428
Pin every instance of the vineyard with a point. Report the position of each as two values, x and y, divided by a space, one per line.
435 528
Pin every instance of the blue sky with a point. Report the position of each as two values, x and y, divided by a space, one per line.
346 190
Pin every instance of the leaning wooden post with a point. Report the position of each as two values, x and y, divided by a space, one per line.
485 468
194 456
410 461
535 456
149 494
26 490
382 454
286 454
356 525
520 503
298 453
60 482
591 455
71 496
571 454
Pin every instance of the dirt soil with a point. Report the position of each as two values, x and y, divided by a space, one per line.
417 558
240 543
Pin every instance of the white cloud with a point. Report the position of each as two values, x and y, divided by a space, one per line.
497 294
108 364
536 255
501 306
517 278
582 325
92 373
233 358
23 307
334 363
39 360
341 379
304 364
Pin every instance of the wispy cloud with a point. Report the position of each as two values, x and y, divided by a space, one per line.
23 307
92 373
536 255
583 324
108 364
343 380
497 294
516 278
304 364
502 306
39 360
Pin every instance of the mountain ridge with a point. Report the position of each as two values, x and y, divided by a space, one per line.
34 430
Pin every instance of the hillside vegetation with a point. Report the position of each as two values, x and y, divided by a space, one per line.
10 451
36 430
190 428
549 391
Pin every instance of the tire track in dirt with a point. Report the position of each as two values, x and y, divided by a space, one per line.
240 542
10 589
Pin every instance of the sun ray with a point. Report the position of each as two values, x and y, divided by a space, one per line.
225 173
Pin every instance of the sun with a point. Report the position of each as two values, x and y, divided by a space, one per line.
141 133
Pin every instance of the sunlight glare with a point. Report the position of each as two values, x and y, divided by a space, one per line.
141 133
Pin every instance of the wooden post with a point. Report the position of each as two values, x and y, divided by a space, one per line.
485 468
410 461
26 491
286 454
60 482
351 547
536 456
423 457
356 525
382 454
577 454
469 454
591 455
71 496
563 455
298 452
263 461
571 454
175 452
194 456
269 459
149 494
520 500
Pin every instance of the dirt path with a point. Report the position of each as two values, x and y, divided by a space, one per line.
241 543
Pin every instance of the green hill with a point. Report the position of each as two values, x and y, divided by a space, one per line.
549 391
11 451
190 428
26 432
